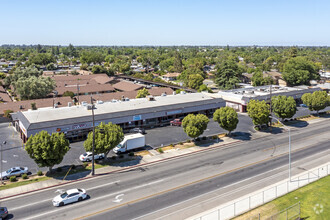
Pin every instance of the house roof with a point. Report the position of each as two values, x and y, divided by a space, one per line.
171 75
127 86
85 88
40 103
4 97
127 94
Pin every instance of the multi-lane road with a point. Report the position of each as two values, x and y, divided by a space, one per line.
181 187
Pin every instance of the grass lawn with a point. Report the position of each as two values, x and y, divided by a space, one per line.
23 182
316 194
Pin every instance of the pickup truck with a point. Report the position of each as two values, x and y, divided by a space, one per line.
176 122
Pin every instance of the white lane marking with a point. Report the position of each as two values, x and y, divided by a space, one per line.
31 204
15 155
4 161
233 191
118 198
91 200
99 186
57 191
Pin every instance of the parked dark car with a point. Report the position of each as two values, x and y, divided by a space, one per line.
3 212
137 130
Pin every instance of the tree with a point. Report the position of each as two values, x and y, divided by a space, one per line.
195 81
33 106
47 150
227 75
195 125
7 113
227 118
34 88
107 136
257 79
299 71
283 106
316 101
98 69
204 87
51 66
68 93
142 93
22 73
258 112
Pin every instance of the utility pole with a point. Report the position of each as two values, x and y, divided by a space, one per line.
93 168
271 110
78 91
1 144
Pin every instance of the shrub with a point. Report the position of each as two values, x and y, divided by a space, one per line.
131 154
12 179
180 143
160 150
214 137
85 164
39 173
188 141
24 176
68 93
171 145
58 169
7 113
121 156
75 72
114 157
33 106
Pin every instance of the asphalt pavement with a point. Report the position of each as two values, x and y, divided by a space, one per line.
15 155
141 192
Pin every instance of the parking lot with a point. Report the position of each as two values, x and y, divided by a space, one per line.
13 153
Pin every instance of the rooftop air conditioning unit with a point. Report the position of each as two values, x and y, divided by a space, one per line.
89 107
182 92
174 93
55 105
69 104
126 99
83 103
150 98
164 94
99 102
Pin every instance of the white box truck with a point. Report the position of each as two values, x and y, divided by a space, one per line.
130 142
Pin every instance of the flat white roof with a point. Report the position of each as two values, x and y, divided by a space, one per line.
51 114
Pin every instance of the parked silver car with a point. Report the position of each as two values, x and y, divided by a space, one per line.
15 171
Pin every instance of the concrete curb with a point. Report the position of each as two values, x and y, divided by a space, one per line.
123 169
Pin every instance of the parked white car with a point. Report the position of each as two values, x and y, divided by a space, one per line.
70 196
15 171
86 157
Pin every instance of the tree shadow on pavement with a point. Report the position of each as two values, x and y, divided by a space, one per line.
126 161
297 123
239 135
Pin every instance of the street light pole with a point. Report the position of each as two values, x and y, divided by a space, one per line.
93 168
289 144
1 144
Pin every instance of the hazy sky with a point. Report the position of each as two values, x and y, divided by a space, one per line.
166 22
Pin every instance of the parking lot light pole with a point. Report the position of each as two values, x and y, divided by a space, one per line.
93 149
289 144
1 144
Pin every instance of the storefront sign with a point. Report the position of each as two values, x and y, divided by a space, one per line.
137 117
174 112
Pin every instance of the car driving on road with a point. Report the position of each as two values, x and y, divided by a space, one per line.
70 196
86 157
15 171
3 212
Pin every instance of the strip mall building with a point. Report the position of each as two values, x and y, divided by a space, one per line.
76 121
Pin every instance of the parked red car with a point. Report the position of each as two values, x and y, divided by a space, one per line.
176 122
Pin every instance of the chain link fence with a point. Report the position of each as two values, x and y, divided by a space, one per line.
250 202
